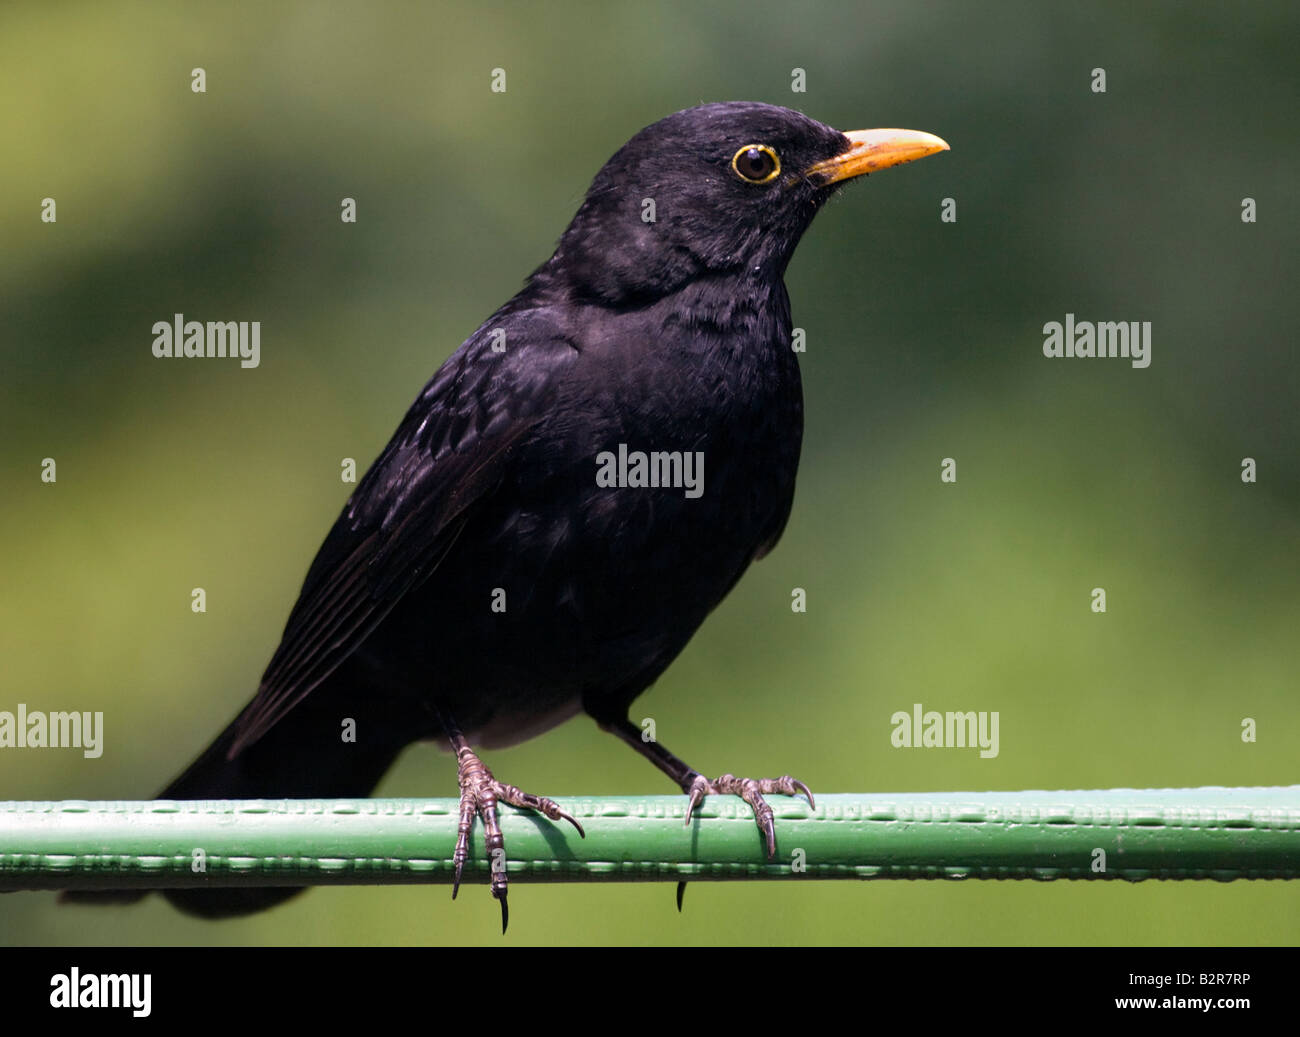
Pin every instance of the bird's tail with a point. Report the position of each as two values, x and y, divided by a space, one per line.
304 757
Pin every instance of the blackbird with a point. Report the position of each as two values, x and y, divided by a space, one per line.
568 498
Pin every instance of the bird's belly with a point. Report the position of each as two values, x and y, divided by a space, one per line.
510 726
563 593
560 607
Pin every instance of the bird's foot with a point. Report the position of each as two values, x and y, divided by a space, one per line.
752 791
479 793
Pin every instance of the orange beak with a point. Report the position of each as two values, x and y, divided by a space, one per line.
872 150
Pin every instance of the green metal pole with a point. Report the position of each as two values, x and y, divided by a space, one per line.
1205 833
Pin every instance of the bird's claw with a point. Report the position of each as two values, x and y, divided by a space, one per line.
505 909
752 791
479 794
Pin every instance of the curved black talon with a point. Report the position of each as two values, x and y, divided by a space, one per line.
681 892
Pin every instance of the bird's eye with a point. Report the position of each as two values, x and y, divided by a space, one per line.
756 163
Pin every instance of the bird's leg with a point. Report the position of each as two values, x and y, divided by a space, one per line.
696 786
479 793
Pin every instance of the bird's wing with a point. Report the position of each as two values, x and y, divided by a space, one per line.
449 452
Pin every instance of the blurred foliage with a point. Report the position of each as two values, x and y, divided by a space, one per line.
924 342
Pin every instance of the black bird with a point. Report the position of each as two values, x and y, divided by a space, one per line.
490 577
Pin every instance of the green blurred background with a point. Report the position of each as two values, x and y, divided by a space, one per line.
924 341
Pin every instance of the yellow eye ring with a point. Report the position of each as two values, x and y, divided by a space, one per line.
756 164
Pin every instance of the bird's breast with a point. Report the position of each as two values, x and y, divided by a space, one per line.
677 440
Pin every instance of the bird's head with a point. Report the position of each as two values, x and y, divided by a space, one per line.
722 188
